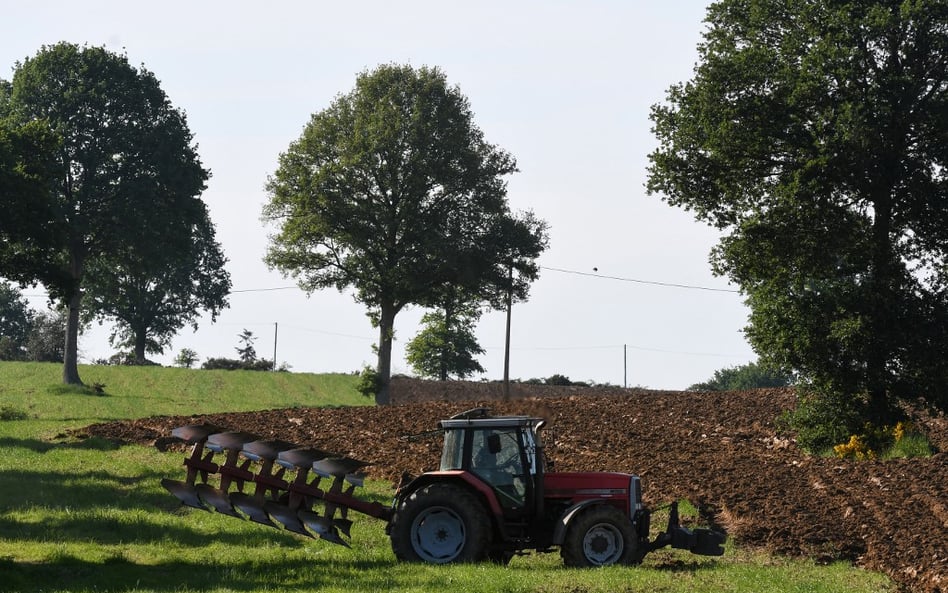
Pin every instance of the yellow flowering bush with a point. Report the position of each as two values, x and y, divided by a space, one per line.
859 446
856 448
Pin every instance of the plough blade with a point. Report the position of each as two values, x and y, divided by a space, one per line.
287 517
252 507
337 467
323 527
217 498
184 492
195 433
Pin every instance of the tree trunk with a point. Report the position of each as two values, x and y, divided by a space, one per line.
71 354
386 329
882 296
140 347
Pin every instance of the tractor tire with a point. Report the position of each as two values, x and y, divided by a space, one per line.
600 536
440 524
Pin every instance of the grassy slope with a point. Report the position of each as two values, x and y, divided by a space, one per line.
90 516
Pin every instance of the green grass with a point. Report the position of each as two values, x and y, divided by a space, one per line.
84 516
913 444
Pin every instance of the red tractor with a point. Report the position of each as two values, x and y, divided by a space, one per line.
492 498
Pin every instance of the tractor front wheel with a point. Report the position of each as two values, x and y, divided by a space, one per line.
440 524
600 536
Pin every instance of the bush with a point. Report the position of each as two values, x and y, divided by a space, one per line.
8 412
824 420
369 382
230 364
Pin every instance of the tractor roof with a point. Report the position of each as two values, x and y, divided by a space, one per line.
481 418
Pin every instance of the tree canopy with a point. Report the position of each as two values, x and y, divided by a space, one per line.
392 191
814 135
125 172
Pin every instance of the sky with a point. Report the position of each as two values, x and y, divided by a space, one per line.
626 295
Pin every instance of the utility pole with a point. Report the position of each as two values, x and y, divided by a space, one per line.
274 346
507 339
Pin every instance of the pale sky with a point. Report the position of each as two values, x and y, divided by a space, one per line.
565 87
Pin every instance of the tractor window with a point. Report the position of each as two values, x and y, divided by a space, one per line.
496 458
452 456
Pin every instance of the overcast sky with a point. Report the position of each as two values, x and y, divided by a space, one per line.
565 87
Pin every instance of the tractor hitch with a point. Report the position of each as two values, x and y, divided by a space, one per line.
704 542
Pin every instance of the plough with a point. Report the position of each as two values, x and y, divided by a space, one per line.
271 482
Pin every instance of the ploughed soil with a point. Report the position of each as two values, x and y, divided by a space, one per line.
720 450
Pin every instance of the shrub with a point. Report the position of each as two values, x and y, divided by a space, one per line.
824 419
230 364
369 382
8 412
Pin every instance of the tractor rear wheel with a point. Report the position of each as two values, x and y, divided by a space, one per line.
440 524
600 536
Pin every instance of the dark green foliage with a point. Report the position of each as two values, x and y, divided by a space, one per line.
825 419
230 364
16 320
814 135
153 289
245 350
369 382
47 338
445 347
748 376
186 358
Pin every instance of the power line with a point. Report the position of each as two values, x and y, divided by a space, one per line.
639 281
271 289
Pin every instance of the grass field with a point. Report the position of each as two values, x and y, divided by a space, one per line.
85 516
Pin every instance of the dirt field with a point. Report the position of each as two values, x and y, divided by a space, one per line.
720 450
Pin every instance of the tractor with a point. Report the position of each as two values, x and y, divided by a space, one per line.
492 498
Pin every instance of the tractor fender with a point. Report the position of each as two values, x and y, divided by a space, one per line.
559 533
484 492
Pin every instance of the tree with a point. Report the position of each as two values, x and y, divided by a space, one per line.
126 172
246 351
152 290
746 376
388 191
814 135
186 358
444 348
16 320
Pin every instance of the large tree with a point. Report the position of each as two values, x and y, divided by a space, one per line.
814 135
126 171
386 191
153 289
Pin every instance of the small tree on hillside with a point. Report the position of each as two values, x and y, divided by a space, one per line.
245 350
445 348
186 358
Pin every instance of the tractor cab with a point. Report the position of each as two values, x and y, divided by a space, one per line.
505 453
